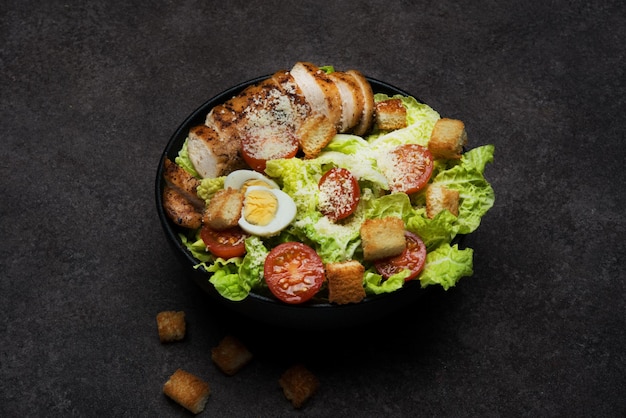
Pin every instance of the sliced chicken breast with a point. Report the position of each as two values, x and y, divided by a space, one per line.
367 117
289 87
180 210
212 154
186 184
319 90
350 94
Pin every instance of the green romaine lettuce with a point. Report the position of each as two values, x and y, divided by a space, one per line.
445 265
339 241
182 159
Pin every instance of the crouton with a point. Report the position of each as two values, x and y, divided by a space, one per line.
187 390
345 282
381 238
224 209
230 355
447 139
390 115
439 198
298 384
171 326
314 134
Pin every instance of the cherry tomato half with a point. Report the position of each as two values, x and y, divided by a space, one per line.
226 244
257 150
413 258
294 272
339 193
411 168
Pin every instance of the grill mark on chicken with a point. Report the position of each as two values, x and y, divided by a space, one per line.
183 182
180 210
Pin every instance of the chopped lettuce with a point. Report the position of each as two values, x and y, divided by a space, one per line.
445 265
208 187
340 241
182 159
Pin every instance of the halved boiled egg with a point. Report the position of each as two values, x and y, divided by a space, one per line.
242 179
266 211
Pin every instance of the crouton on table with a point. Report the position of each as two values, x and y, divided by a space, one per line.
187 390
230 355
171 326
298 384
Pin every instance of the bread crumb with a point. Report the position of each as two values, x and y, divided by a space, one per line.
187 390
230 355
171 326
298 384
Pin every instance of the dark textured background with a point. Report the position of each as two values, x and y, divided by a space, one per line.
89 95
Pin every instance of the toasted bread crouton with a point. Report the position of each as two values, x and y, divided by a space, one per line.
314 134
447 139
230 355
298 384
187 390
224 209
381 238
439 198
390 115
171 326
345 282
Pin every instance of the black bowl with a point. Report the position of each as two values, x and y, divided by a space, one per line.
312 315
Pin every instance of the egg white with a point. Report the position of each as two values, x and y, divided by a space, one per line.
238 178
285 213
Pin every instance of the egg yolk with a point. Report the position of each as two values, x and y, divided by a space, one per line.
254 182
260 207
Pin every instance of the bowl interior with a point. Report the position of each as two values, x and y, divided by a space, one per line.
313 314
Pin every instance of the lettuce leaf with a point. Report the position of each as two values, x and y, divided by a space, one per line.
375 284
421 119
339 241
182 159
446 265
208 187
226 278
475 193
251 268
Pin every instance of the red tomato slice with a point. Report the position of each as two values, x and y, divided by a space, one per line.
339 193
411 166
258 150
226 244
294 272
413 258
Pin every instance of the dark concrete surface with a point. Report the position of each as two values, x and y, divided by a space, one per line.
89 95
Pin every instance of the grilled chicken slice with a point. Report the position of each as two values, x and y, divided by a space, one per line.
351 105
303 104
180 199
211 154
319 91
289 87
367 117
180 210
177 178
